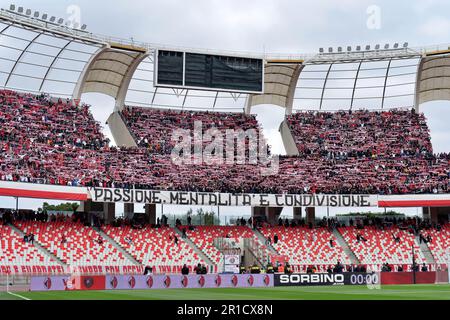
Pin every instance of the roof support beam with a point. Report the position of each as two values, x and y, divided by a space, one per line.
53 63
20 57
324 85
354 84
123 89
83 76
385 82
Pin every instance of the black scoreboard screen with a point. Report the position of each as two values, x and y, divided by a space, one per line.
209 72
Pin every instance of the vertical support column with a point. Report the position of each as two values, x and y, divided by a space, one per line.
311 215
258 212
426 213
109 212
297 213
324 86
354 84
150 213
273 213
87 207
128 209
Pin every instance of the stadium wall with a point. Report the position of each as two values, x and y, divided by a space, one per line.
148 282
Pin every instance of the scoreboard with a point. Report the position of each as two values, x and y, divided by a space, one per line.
199 71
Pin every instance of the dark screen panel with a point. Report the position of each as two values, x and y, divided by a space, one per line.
210 71
170 68
198 70
236 73
221 72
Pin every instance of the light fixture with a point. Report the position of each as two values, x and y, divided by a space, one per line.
53 19
320 49
377 47
44 16
386 46
28 12
395 45
60 21
349 48
20 10
12 7
83 27
330 50
36 14
358 48
367 48
405 45
339 49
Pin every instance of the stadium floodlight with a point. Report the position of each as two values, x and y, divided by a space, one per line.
358 48
367 48
330 50
28 12
36 14
339 49
60 21
321 50
349 48
405 45
395 45
12 7
377 47
44 16
386 46
20 10
53 19
83 27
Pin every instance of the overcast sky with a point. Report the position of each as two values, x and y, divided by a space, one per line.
265 26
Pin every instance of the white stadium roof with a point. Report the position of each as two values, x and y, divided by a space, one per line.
39 56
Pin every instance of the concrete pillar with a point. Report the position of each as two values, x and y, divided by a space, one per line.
150 213
311 215
128 210
426 213
85 206
258 212
273 213
436 214
270 213
109 212
89 207
297 213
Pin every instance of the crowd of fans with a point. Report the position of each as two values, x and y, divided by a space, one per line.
11 216
43 140
365 151
153 128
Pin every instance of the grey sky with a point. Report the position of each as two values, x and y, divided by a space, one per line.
264 25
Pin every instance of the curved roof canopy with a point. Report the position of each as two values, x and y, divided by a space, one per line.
38 57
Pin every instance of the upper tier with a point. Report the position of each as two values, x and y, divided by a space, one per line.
55 142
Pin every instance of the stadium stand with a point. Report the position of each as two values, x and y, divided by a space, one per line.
74 244
360 134
154 246
43 153
15 252
440 242
306 246
153 128
378 246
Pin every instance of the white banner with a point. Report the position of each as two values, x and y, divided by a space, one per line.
228 199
